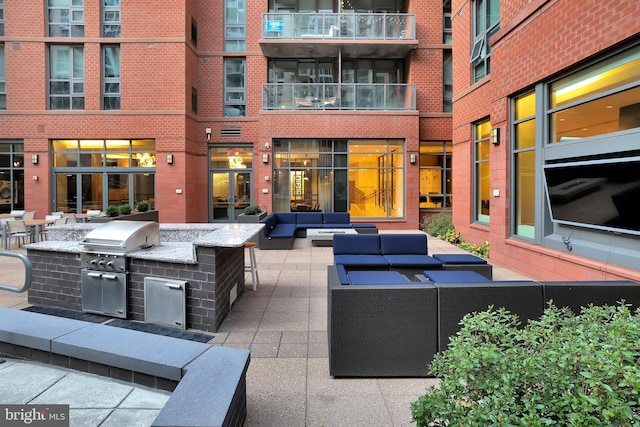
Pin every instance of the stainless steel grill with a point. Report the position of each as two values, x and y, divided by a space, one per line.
104 263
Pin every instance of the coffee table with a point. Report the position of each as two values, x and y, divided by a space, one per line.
324 236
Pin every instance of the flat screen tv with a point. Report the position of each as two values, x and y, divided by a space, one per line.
602 194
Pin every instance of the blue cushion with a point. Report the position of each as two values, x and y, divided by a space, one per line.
286 217
408 260
376 278
455 276
313 218
336 225
358 244
269 224
459 259
283 231
361 260
337 218
342 274
398 244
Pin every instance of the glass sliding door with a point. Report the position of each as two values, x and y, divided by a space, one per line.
231 182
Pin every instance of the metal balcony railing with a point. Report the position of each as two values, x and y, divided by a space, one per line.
347 26
338 96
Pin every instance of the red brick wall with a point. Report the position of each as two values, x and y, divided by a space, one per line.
537 39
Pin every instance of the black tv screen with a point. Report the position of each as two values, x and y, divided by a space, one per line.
599 194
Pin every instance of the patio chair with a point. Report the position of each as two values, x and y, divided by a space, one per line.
18 229
29 215
44 231
71 218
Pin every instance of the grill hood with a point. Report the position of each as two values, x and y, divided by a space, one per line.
120 237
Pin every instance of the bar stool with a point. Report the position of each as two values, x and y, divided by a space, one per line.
253 265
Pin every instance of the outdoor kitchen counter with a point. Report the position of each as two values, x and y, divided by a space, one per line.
177 241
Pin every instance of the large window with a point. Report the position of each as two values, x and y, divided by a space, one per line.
66 77
482 171
94 174
447 75
447 36
1 18
11 176
235 90
600 99
524 158
486 22
435 174
235 26
111 18
364 178
111 77
65 18
3 78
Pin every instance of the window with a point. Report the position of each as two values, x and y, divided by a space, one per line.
364 178
524 161
11 175
435 174
234 87
65 18
93 174
447 75
194 99
3 78
194 33
235 29
597 100
482 171
486 22
1 18
66 77
447 36
111 18
111 77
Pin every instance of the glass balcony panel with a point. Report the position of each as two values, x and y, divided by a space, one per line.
333 96
363 26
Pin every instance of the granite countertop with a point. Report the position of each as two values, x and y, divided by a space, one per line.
178 242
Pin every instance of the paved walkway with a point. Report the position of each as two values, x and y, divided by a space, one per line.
284 324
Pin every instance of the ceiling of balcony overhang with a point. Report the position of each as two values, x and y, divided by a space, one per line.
305 48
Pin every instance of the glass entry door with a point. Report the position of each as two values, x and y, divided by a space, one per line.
231 194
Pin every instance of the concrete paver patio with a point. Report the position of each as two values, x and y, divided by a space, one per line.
284 325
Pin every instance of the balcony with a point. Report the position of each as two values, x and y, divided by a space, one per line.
339 96
309 35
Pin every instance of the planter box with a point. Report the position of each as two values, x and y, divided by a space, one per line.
252 218
134 216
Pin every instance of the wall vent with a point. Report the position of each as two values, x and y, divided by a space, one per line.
231 132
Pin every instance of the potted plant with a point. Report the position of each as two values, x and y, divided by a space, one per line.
142 206
124 209
112 211
252 213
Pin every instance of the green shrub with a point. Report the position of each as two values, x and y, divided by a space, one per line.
561 370
142 206
435 225
112 211
252 210
124 209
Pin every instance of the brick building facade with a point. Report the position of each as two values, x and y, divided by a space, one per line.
542 134
183 105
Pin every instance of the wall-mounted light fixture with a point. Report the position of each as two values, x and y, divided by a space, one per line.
35 158
208 132
495 136
169 159
412 158
265 158
267 145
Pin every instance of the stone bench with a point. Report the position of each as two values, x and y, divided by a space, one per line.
186 368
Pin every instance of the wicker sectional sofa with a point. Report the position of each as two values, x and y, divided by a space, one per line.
281 228
382 323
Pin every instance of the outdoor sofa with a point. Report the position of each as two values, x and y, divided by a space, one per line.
383 322
281 228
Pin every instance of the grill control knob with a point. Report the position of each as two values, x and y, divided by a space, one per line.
92 262
101 263
110 264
